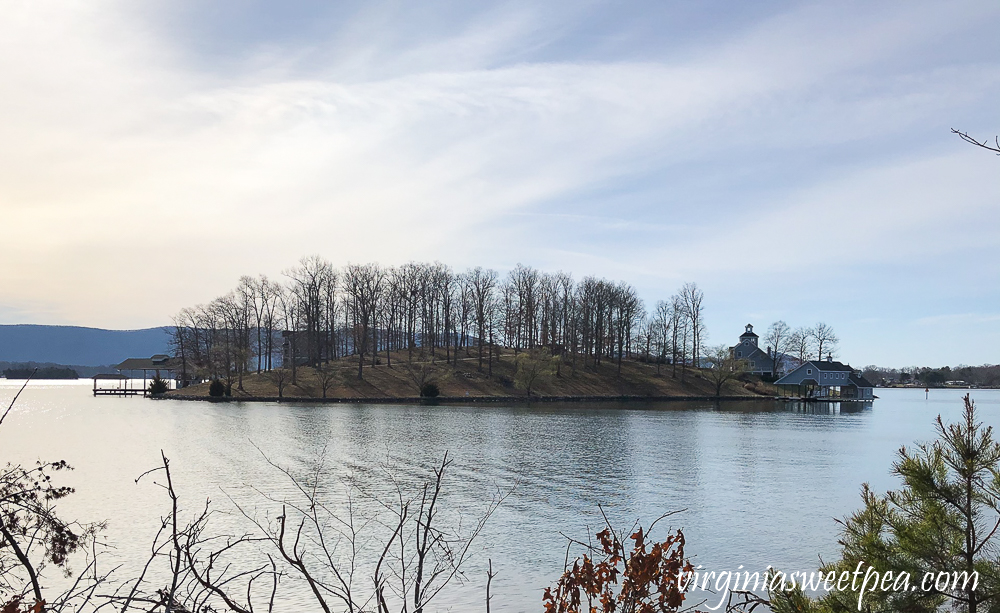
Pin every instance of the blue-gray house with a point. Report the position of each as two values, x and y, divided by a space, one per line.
826 379
758 361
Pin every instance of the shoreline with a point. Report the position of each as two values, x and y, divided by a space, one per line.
456 399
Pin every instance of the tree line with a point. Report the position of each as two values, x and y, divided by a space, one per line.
987 375
317 313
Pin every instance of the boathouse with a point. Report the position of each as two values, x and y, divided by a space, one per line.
160 365
115 385
826 380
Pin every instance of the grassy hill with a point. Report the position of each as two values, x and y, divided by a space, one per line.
403 379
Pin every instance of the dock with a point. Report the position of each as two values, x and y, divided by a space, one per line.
120 386
120 392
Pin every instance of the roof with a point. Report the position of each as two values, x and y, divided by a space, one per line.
829 366
157 362
858 379
752 350
103 376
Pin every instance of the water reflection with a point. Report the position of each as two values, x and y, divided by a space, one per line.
828 408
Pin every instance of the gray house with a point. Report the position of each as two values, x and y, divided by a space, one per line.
826 379
758 361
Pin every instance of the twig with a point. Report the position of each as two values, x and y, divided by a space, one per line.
984 144
16 396
23 559
489 579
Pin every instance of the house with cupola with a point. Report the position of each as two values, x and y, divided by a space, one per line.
758 361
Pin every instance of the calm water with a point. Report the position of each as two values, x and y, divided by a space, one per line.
762 484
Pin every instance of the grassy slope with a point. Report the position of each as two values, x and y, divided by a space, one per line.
637 379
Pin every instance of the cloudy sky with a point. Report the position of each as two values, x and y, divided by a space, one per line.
793 159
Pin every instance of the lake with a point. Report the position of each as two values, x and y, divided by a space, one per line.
760 482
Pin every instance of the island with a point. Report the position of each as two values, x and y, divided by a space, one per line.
509 376
48 372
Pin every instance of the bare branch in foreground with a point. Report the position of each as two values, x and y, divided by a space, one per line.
994 147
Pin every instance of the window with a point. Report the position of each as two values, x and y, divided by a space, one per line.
809 371
753 364
739 354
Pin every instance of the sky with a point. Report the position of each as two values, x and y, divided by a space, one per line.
794 159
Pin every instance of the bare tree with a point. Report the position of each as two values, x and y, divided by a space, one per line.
483 283
778 341
421 373
309 285
647 337
824 339
180 341
532 366
280 377
800 343
566 315
521 295
291 320
328 376
723 367
679 335
628 313
364 285
444 281
694 299
663 319
269 295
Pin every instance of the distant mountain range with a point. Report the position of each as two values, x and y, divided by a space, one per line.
79 346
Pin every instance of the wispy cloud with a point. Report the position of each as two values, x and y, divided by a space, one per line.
512 132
